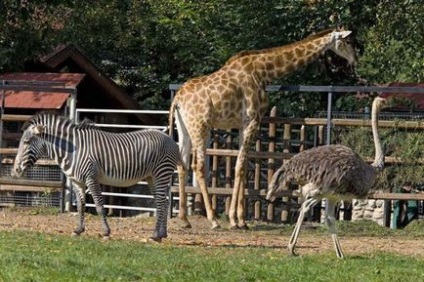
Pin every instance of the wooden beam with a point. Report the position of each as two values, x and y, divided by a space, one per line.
345 122
229 191
250 154
397 196
293 193
8 117
8 151
23 188
29 182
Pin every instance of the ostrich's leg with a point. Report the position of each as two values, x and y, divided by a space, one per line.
330 220
306 205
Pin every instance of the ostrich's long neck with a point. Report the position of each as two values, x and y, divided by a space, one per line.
379 156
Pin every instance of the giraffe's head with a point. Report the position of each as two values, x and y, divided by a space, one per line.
341 47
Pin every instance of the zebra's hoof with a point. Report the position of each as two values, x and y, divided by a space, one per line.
75 234
106 238
155 239
234 227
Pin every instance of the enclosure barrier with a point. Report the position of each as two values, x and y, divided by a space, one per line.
273 155
267 154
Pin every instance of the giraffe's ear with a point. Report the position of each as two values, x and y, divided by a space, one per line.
39 129
344 33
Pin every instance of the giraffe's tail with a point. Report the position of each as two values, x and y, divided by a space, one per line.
171 117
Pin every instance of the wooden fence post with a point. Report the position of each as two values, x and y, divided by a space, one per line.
228 182
215 164
271 162
286 149
257 181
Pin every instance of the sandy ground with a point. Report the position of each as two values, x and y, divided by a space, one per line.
139 229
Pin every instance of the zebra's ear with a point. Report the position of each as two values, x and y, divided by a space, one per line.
39 129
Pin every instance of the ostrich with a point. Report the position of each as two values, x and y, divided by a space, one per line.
334 172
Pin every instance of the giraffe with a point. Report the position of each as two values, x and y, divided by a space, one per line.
234 97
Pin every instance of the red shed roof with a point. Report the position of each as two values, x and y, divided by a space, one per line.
37 99
417 98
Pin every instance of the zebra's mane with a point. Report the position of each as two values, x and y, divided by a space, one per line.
49 119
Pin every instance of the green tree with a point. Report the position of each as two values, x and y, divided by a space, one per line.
393 49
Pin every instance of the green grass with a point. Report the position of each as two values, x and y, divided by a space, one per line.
31 256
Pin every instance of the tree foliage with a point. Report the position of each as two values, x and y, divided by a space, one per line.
146 45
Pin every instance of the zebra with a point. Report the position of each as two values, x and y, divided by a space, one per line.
89 156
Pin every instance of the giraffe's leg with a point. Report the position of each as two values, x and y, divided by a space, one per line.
306 205
80 193
330 219
98 199
185 146
199 168
237 200
182 215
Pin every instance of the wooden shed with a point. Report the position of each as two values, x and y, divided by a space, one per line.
70 65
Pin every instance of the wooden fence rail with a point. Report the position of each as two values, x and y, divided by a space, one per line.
264 156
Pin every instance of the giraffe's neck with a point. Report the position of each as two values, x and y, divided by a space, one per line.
273 63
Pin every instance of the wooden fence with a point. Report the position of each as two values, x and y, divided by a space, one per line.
278 140
8 184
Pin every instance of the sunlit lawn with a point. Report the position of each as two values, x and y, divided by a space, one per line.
31 256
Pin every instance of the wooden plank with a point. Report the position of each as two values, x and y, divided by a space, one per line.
281 155
20 188
39 162
397 196
8 151
250 154
229 191
29 182
294 193
7 117
345 122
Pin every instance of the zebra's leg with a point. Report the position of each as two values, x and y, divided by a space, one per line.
161 183
98 199
80 193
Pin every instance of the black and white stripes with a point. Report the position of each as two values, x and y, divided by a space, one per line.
90 156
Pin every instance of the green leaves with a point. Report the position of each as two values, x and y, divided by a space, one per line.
145 45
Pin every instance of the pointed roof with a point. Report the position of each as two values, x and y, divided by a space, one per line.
64 55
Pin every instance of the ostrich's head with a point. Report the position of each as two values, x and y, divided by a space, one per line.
278 183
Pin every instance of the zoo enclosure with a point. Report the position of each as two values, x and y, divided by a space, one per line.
276 142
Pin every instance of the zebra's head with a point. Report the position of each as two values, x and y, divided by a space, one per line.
31 148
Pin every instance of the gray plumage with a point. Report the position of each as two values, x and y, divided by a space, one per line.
337 169
334 172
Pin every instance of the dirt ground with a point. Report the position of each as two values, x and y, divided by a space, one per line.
139 229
